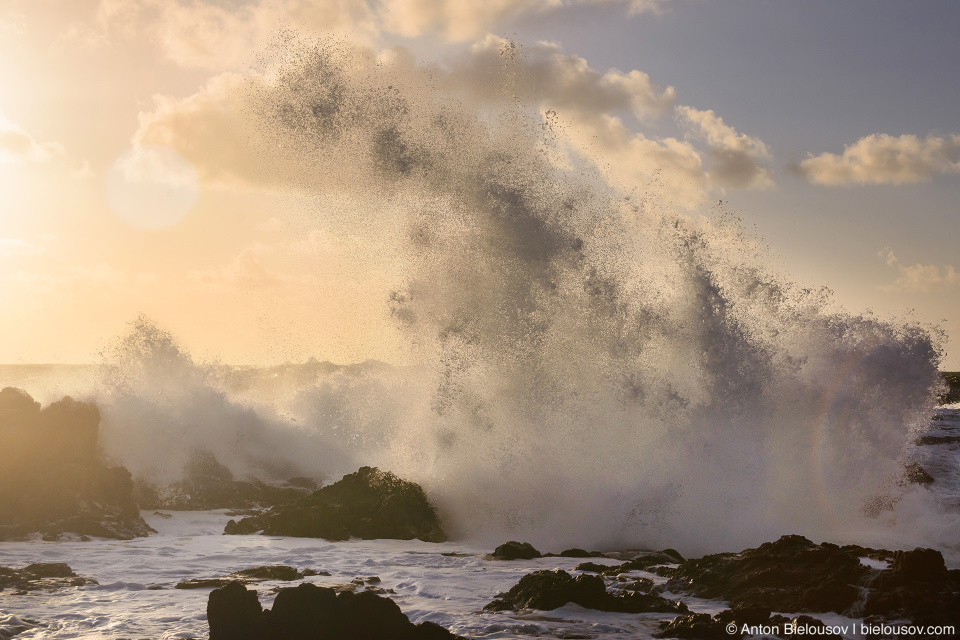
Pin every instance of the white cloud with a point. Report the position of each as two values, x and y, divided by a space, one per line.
738 160
221 132
496 68
885 159
17 146
919 277
210 35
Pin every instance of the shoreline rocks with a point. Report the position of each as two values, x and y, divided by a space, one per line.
548 590
795 575
310 612
45 576
52 477
368 504
281 573
207 484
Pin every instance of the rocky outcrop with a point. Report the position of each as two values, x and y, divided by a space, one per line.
368 504
952 392
514 550
53 479
548 590
795 575
733 623
246 576
207 484
41 576
641 562
309 612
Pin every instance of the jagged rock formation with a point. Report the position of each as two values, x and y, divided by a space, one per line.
547 590
309 612
53 480
798 576
368 504
45 576
246 576
207 484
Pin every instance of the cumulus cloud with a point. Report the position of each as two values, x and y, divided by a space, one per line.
631 160
737 160
919 277
17 146
496 68
216 129
885 159
207 34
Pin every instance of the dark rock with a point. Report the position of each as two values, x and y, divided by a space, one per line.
234 613
702 627
919 565
368 504
791 574
514 550
913 473
207 484
925 440
53 480
796 575
309 612
575 553
952 391
205 583
639 563
673 553
593 567
246 576
47 576
548 590
916 587
14 626
695 625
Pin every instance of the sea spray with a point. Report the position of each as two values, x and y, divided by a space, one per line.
593 367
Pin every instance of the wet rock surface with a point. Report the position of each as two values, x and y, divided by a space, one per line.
309 612
548 590
733 624
952 392
642 562
514 550
53 479
41 576
368 504
246 576
795 575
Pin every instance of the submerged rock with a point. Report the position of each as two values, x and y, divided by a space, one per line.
46 576
368 504
246 576
309 612
52 478
548 590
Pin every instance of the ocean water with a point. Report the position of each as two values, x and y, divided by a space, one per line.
594 367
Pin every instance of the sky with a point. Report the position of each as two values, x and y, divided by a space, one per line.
129 185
